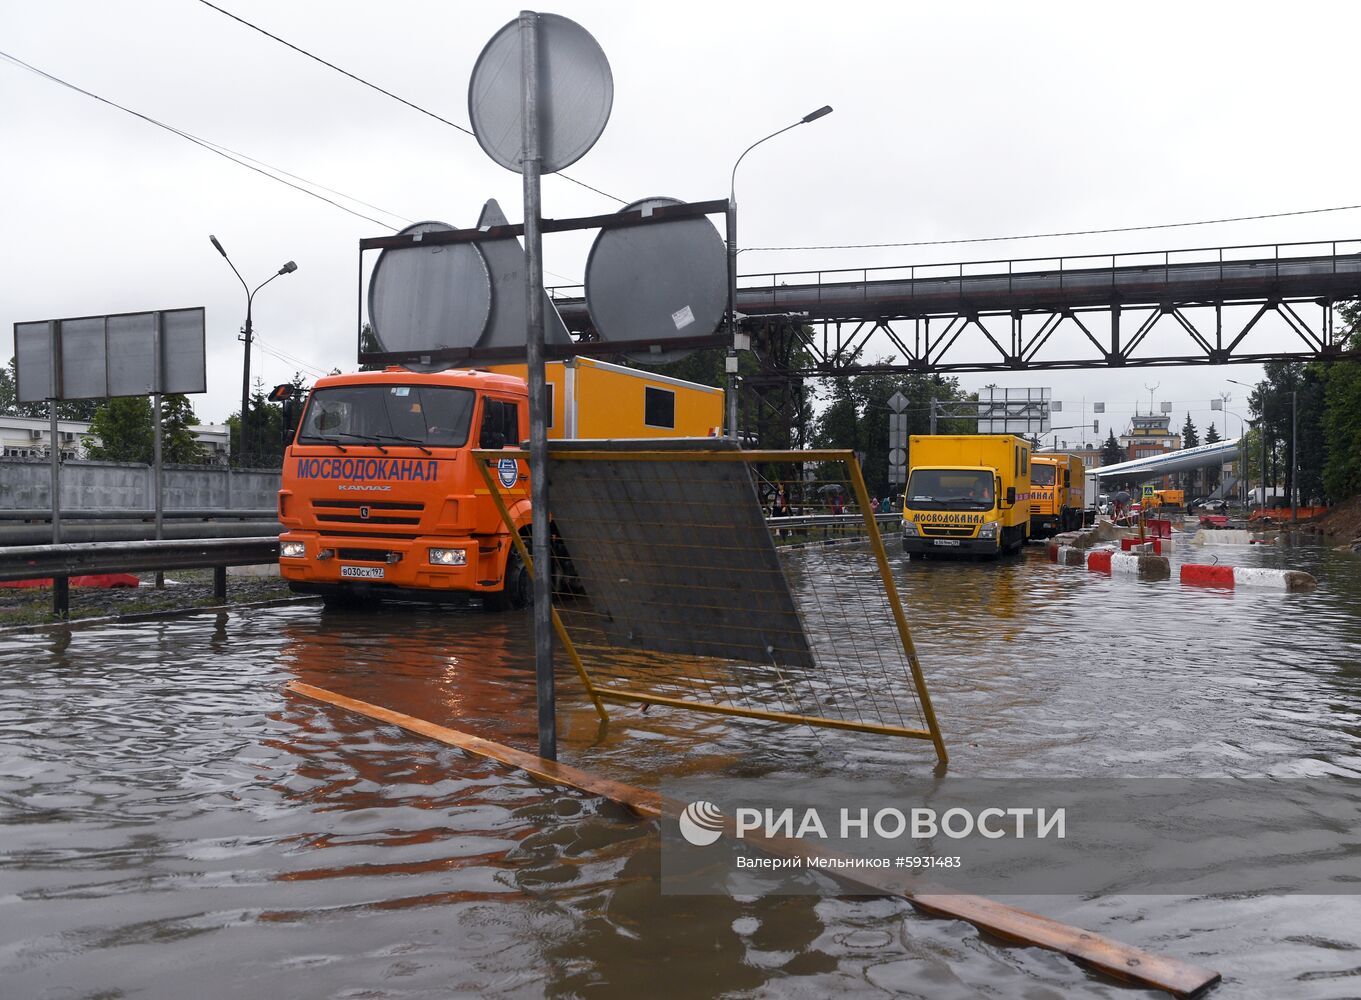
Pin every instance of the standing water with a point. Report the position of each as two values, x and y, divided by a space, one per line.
174 824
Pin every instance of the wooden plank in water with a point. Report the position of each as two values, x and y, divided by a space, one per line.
638 800
1120 961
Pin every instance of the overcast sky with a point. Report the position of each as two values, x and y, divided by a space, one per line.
952 121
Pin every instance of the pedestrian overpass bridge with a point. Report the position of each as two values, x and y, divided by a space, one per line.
1177 307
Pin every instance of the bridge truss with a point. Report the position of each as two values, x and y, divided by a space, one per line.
1185 307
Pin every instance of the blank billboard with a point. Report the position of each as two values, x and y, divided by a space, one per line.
104 356
1013 411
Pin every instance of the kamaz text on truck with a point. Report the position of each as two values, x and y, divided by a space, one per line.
967 494
380 495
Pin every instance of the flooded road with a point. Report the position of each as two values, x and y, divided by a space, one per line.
173 824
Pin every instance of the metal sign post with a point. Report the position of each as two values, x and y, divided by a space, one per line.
538 418
897 439
158 475
55 450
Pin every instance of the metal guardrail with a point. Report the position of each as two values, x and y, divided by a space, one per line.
84 532
123 513
61 562
830 520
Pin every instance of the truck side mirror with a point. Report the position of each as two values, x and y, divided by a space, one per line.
290 418
1011 496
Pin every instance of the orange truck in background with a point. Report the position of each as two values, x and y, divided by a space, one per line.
381 498
1056 494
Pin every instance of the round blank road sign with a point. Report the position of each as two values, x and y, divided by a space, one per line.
429 298
657 282
576 92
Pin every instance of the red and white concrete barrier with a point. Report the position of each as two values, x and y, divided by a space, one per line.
1231 577
1142 565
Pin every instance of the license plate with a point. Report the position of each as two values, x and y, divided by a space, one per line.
946 541
362 572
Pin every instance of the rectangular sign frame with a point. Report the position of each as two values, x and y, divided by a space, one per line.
117 354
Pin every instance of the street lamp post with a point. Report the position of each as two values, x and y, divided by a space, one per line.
1243 453
248 332
731 214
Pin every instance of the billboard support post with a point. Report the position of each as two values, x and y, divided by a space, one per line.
55 448
158 478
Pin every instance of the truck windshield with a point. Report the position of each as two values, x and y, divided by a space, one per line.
950 489
1042 474
388 415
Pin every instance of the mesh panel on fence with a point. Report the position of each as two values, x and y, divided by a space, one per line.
672 585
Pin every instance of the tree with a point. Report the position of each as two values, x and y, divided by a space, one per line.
1189 437
265 447
368 344
1212 473
1341 417
179 446
71 409
1111 452
1271 402
121 431
856 416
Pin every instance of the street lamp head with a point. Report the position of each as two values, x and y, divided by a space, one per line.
218 245
288 268
813 116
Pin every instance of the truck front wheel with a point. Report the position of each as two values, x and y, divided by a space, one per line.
517 586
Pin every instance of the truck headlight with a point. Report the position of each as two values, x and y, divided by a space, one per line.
448 557
910 528
292 550
988 530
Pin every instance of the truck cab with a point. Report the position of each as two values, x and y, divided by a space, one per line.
382 496
380 493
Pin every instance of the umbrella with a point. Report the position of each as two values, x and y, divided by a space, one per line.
832 488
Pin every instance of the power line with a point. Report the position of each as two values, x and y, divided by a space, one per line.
386 93
203 143
284 356
1042 236
280 170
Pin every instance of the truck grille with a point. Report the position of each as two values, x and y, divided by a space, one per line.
939 532
377 511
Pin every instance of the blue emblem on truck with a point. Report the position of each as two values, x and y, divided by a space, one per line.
508 471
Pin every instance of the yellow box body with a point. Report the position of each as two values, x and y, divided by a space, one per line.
596 399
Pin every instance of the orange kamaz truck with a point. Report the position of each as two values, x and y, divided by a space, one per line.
380 495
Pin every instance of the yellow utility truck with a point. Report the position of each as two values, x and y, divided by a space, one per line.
1056 494
1164 498
967 494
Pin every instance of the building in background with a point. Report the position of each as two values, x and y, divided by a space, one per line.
31 437
1149 434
